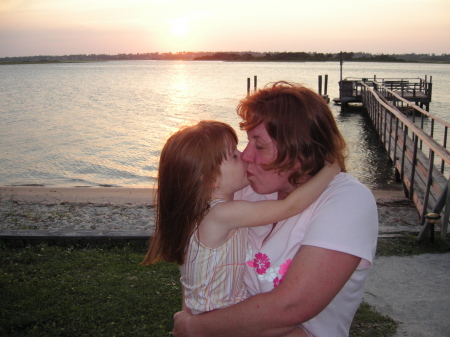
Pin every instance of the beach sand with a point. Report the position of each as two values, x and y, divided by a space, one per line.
76 209
81 208
95 195
111 195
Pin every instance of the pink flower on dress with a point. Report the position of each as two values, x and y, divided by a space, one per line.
251 264
261 262
277 281
284 267
282 271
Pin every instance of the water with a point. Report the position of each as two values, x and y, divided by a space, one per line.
103 124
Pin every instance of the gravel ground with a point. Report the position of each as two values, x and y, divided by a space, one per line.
21 215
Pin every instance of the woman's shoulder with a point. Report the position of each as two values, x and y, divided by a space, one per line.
346 186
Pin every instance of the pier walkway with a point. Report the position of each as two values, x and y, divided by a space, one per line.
415 140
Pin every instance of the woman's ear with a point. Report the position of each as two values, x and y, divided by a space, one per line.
297 165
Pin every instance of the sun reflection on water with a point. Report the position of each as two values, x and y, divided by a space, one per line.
105 123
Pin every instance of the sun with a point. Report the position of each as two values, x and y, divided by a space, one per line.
180 27
181 33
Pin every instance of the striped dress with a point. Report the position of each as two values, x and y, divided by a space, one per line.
213 278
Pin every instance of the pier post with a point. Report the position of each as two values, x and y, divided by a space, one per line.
341 61
248 85
320 85
255 80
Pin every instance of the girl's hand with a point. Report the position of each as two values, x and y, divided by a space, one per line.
334 166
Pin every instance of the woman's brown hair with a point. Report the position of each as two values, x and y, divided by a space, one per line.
188 167
301 124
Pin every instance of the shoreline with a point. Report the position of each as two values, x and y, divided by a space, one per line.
93 195
118 208
113 195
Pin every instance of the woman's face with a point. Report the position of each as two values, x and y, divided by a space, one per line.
260 150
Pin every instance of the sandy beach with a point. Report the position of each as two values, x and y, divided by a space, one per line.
81 208
94 195
414 291
112 195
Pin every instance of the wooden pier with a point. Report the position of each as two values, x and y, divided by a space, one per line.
416 90
415 140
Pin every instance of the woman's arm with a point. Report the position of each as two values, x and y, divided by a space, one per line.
314 278
249 214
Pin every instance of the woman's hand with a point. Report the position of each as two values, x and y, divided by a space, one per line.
181 327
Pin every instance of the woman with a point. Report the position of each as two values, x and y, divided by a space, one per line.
310 269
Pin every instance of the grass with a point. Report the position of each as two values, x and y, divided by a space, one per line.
407 245
103 291
56 291
369 322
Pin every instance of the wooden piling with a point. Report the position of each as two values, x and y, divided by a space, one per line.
320 85
325 96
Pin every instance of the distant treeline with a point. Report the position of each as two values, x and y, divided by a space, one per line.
237 56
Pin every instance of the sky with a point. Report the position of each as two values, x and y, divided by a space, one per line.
64 27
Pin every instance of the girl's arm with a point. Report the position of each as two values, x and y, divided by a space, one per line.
241 213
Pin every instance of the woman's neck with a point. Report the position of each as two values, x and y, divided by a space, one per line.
284 192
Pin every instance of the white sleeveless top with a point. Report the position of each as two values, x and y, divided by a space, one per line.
213 278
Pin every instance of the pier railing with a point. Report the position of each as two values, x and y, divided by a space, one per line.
405 86
422 161
416 90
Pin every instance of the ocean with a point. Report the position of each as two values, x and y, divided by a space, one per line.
104 123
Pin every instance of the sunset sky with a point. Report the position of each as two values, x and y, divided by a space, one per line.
60 27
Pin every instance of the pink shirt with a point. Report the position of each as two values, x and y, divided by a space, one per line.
345 219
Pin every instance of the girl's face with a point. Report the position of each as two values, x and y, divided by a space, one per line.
261 149
233 173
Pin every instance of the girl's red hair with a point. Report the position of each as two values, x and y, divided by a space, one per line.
188 167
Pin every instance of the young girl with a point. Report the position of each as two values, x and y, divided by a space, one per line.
199 225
